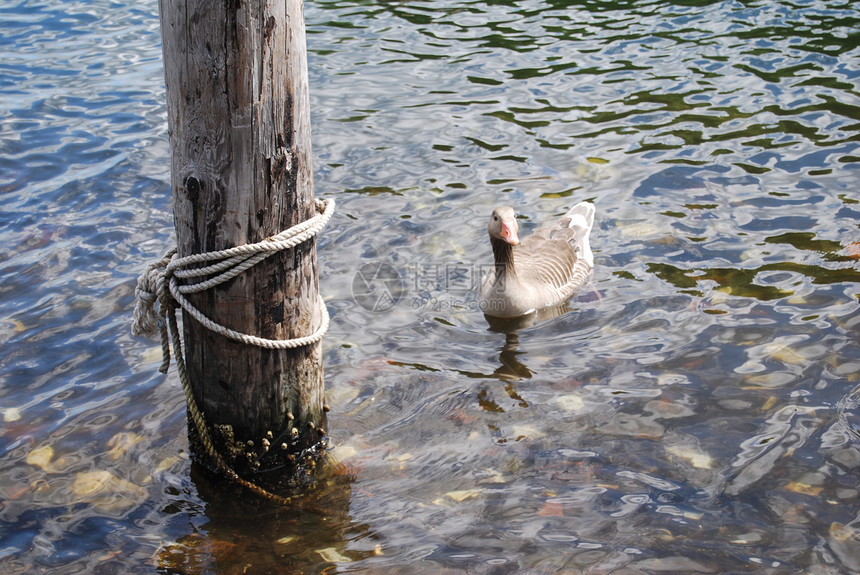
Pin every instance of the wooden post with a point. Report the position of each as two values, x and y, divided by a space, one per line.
242 170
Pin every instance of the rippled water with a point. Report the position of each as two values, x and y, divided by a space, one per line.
694 411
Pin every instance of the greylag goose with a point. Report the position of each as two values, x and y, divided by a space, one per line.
543 269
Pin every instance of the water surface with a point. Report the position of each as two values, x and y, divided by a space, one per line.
695 410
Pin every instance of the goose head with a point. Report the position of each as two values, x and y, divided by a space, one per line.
503 225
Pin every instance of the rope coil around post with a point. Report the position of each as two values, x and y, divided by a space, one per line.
160 284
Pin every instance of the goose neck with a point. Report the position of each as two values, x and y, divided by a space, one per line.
503 254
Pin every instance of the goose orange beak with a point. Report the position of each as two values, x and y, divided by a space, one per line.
509 234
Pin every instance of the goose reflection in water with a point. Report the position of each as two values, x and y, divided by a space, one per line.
512 367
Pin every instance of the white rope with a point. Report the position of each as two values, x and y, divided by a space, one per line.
160 283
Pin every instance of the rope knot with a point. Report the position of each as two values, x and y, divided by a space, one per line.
159 284
150 289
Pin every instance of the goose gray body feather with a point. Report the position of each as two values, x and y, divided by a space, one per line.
542 270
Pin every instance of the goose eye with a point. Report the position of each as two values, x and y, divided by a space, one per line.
495 218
